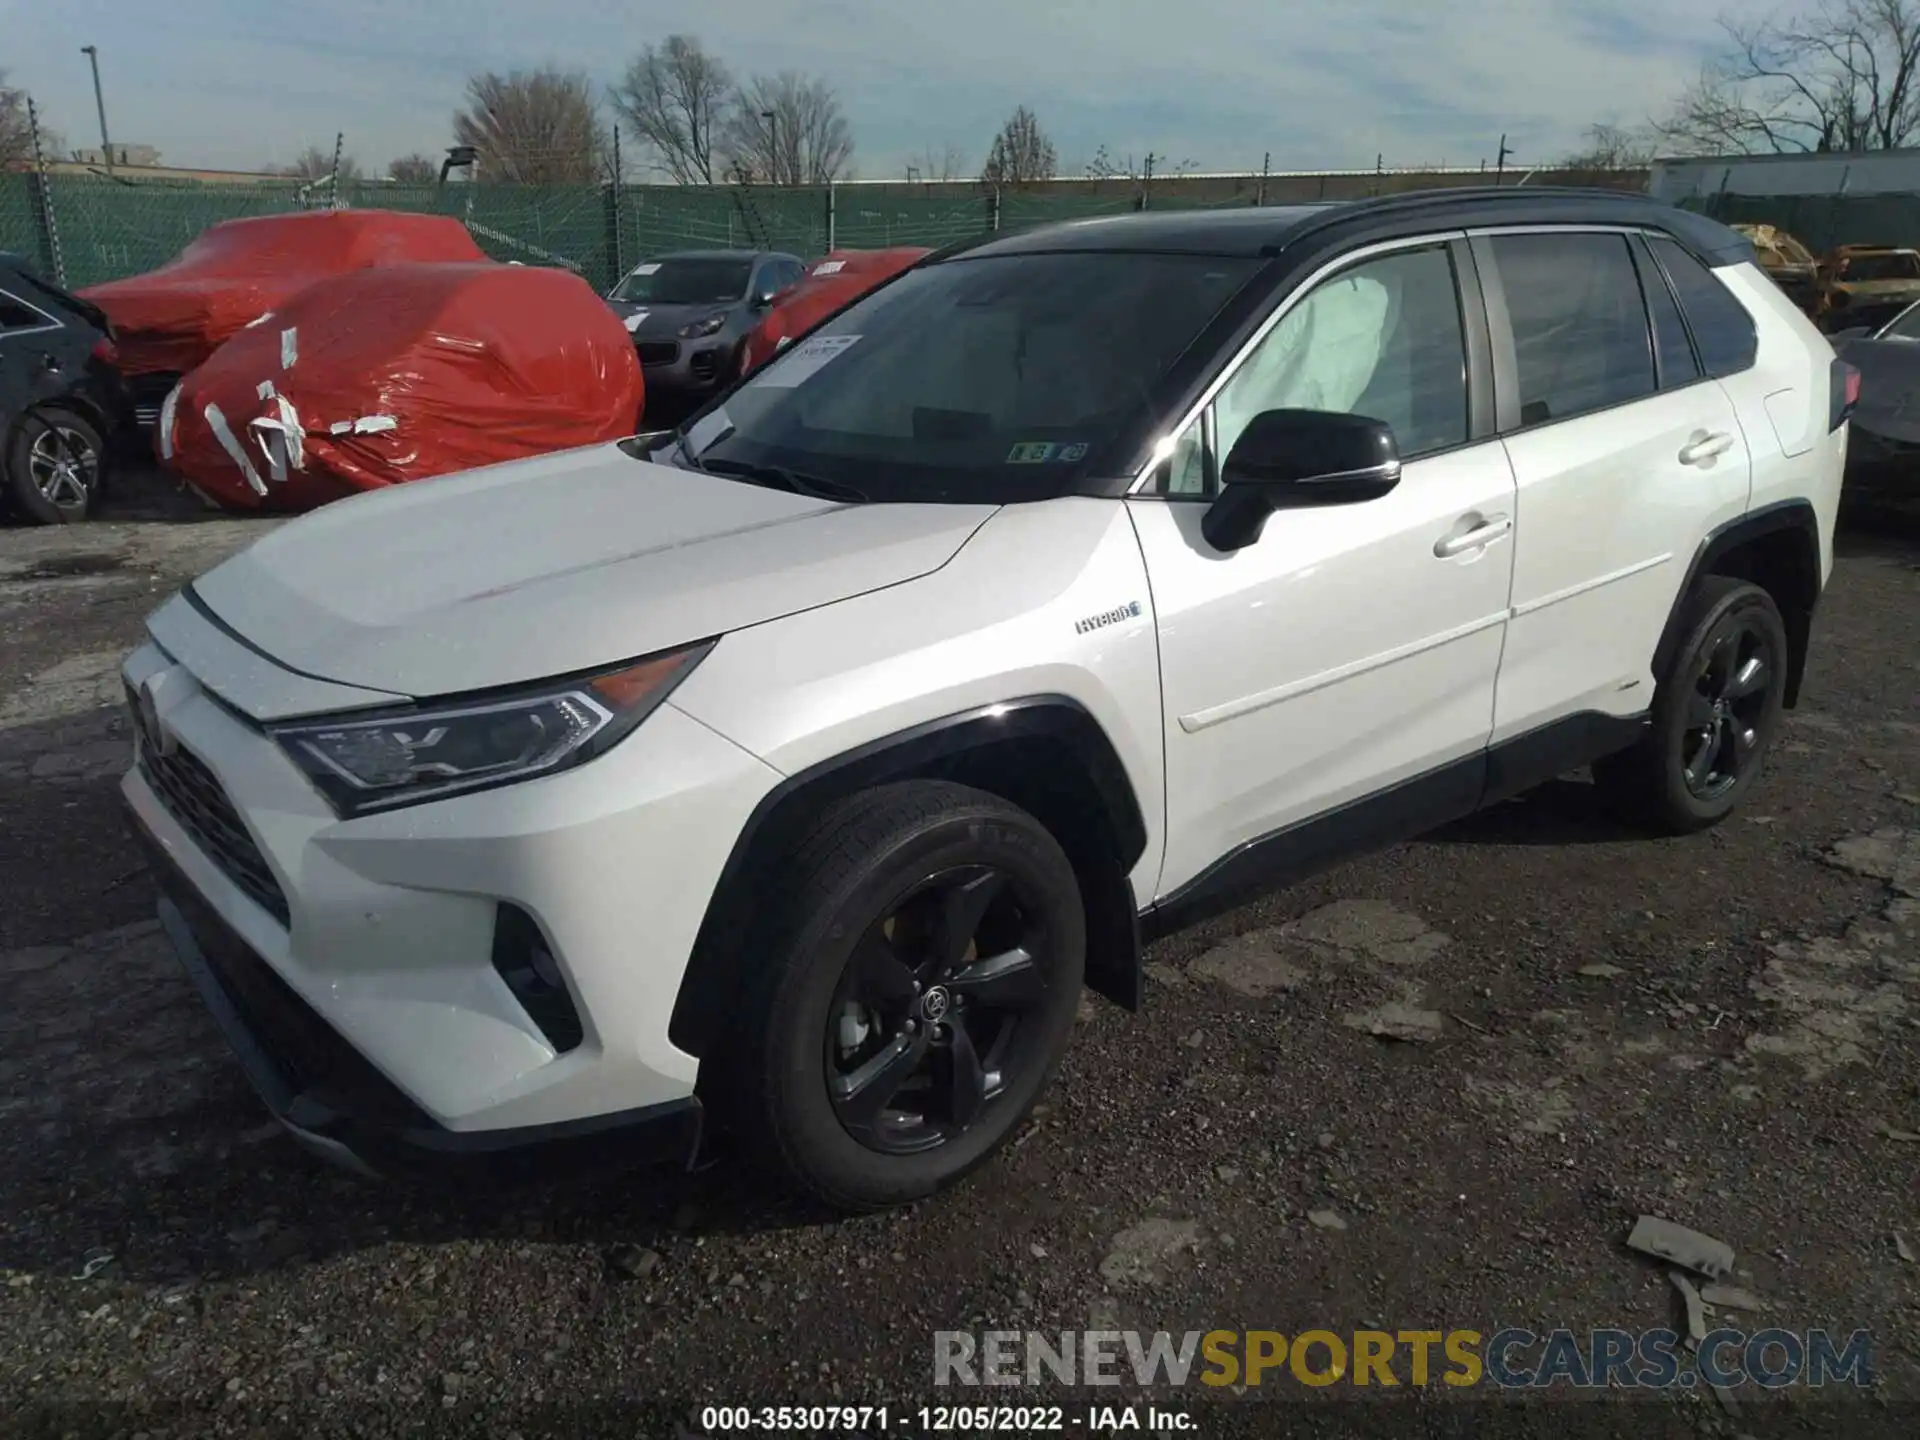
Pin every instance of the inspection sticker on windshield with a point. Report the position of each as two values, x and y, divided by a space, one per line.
1033 452
632 322
652 268
804 359
830 267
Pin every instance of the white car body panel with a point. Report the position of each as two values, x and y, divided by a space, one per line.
1335 656
997 623
1610 518
556 565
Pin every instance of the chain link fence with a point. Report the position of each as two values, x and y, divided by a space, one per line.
85 229
1821 222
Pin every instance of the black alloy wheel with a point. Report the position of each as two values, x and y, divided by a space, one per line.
926 1025
1728 706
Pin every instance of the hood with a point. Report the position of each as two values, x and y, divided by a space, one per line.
547 567
663 322
1889 386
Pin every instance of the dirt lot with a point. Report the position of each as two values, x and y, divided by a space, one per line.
1721 1030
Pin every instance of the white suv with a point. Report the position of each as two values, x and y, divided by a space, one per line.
796 770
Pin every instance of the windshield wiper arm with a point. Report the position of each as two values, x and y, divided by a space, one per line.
781 478
685 447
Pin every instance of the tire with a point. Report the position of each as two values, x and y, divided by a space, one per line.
1714 716
855 972
55 463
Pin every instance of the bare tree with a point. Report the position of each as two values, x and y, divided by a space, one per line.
317 164
16 135
676 97
534 127
945 163
1021 152
1104 167
1842 75
414 169
1611 148
788 129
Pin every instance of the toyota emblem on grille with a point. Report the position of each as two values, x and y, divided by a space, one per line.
147 712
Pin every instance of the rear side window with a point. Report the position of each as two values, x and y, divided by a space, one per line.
1671 348
17 316
1723 331
1580 334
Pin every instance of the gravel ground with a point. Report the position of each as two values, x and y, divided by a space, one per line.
1431 1090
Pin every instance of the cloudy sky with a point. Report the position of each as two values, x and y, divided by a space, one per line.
1319 83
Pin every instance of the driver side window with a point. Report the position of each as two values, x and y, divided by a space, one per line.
1382 339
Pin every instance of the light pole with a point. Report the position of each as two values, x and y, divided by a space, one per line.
773 144
99 103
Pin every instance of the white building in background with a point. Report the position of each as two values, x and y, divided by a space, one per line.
1872 172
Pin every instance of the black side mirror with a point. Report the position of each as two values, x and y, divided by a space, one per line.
1291 459
762 300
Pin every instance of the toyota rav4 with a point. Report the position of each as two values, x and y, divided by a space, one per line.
788 777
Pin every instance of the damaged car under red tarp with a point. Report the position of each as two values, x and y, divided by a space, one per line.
830 284
169 320
377 377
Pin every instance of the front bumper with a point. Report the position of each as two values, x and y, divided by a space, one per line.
687 367
371 942
340 1107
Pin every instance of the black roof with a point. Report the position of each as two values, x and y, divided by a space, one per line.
1260 231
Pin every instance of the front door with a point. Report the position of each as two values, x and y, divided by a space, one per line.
1349 648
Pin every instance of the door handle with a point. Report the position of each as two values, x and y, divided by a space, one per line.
1704 446
1478 538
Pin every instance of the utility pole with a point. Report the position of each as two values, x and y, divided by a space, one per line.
1266 163
772 117
1146 178
92 53
1500 162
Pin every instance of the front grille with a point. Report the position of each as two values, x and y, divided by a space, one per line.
657 352
194 796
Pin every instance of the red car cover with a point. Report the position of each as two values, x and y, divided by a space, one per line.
380 376
169 320
840 279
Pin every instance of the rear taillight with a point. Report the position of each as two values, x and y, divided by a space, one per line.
1844 393
105 351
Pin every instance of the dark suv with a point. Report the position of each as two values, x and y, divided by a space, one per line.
689 311
61 399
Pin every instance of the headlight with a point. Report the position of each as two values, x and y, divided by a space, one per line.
453 747
703 327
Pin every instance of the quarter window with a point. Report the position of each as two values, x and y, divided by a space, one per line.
1580 334
1723 331
15 315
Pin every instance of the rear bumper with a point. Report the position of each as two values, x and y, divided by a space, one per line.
340 1107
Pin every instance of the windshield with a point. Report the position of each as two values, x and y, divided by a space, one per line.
1904 326
686 282
988 380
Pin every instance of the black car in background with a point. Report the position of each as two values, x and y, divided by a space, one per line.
689 311
61 398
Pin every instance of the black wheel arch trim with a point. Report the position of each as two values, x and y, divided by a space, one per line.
1783 516
716 966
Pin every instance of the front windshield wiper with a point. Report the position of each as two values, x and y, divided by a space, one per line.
781 478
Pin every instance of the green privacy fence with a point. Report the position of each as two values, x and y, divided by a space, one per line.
1822 221
89 228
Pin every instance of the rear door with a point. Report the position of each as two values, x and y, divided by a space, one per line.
1625 455
29 336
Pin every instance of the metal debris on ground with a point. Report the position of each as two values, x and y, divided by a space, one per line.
1686 1248
1731 1297
1696 1312
95 1262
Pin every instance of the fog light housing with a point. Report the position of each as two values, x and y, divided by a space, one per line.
525 961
